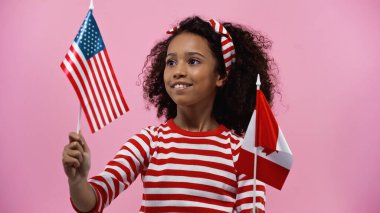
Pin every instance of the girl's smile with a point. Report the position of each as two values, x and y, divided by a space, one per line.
180 85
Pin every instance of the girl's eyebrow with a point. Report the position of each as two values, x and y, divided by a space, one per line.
171 54
187 53
195 53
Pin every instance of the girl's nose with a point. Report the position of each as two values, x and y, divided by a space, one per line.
179 71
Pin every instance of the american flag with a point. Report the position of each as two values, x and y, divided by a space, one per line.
89 69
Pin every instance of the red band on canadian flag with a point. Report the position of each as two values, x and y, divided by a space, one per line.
266 125
268 171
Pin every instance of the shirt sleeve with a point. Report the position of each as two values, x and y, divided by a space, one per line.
119 173
244 194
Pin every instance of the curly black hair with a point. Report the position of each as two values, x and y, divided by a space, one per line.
236 99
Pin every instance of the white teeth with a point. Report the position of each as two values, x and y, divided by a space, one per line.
180 86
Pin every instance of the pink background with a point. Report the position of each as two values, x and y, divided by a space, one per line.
329 112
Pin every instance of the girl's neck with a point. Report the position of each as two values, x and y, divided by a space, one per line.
195 120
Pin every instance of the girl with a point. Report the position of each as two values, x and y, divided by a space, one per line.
202 79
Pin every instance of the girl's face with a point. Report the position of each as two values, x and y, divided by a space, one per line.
190 76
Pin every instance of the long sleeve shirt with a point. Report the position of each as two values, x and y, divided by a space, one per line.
181 171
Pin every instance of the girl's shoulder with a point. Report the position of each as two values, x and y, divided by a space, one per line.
154 131
235 139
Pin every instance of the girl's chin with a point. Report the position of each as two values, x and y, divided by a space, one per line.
182 102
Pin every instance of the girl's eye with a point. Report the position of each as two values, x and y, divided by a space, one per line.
170 62
194 61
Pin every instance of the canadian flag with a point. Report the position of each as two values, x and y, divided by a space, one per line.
264 137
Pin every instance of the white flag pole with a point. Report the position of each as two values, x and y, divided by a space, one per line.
91 5
254 180
80 108
79 118
258 83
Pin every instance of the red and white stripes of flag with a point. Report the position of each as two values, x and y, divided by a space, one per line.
94 80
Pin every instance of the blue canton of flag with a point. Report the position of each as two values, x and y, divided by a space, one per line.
89 70
89 39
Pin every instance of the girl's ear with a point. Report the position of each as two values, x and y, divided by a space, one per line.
220 81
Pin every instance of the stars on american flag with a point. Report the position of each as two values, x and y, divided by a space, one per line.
89 38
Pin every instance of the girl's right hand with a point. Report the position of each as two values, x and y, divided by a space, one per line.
76 158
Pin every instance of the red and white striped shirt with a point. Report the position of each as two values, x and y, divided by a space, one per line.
181 171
